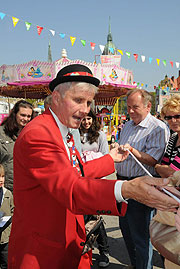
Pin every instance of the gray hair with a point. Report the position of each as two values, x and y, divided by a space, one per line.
66 86
48 100
146 96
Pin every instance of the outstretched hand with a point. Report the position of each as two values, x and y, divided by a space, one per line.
145 190
118 155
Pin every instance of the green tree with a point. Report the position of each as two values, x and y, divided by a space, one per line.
153 108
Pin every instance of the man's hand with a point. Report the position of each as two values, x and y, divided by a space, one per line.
143 189
126 147
118 155
177 218
143 157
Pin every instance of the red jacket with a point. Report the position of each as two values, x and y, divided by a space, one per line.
51 199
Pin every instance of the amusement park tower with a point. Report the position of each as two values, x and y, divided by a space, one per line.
49 53
109 48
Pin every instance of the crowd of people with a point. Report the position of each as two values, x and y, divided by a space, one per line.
58 179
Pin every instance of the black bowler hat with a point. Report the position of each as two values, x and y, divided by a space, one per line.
74 72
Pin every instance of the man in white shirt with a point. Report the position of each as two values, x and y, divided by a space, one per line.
146 137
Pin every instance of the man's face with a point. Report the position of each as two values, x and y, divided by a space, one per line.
136 108
23 116
73 106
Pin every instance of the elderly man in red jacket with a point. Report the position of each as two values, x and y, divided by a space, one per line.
50 194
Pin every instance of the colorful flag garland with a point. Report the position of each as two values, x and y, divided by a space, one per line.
84 42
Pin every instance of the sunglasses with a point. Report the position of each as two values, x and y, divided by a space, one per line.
170 117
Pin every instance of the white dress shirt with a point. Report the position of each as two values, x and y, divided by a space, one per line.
64 131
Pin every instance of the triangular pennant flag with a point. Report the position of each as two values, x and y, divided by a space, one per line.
135 56
92 45
150 60
62 35
164 62
171 64
83 42
158 61
52 32
120 51
28 25
2 15
15 21
101 48
143 58
177 64
146 85
128 54
111 50
72 38
138 84
142 84
39 29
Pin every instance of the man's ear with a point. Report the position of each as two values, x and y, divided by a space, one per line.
149 105
56 97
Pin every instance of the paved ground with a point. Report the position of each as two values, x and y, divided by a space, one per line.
118 254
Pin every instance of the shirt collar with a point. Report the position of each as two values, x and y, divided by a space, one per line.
144 123
63 129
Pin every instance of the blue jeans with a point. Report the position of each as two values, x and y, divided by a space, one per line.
135 230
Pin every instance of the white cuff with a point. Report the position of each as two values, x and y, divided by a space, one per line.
117 191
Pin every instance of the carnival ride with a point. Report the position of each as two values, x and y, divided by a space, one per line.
30 81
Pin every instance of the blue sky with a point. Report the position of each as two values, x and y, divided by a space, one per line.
149 28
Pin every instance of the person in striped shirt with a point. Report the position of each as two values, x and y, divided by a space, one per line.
171 159
146 137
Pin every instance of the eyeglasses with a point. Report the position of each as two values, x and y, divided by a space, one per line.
170 117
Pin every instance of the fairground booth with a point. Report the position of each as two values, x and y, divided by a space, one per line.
30 80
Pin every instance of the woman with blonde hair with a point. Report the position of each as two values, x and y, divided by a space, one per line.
171 161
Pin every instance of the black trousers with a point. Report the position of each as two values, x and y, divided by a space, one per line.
4 256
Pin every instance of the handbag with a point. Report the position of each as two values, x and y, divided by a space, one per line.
165 217
166 239
92 224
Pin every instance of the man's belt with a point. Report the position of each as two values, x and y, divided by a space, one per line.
129 178
125 178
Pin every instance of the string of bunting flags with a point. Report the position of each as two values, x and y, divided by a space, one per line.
92 44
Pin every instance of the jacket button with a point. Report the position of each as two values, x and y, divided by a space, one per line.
109 212
103 211
82 244
98 212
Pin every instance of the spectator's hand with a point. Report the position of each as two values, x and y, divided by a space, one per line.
164 170
145 190
118 155
125 147
177 218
